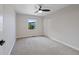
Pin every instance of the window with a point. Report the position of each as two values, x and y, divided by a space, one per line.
31 24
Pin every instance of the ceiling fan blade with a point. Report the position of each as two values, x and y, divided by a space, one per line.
36 11
40 7
45 10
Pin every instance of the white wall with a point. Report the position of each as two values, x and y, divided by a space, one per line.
22 26
1 27
63 26
9 28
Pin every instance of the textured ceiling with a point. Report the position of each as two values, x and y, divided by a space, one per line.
31 8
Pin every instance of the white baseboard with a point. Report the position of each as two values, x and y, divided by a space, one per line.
28 36
52 38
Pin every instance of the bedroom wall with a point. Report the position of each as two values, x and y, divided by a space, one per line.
63 26
1 27
9 25
22 26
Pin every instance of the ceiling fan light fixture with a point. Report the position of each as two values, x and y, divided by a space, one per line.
40 11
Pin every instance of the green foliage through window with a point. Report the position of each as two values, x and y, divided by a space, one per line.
31 25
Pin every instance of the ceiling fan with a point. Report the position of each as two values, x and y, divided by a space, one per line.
40 9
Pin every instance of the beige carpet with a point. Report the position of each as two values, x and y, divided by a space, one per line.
41 46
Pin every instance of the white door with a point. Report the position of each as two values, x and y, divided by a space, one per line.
1 27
